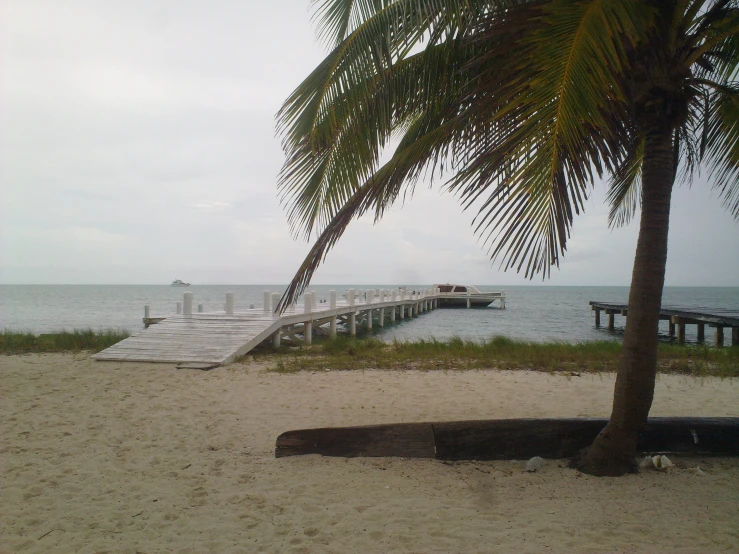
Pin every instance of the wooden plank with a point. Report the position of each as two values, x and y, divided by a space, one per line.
507 439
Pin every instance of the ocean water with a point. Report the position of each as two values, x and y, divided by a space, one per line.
536 313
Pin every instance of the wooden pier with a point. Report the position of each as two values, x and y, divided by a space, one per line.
222 337
679 317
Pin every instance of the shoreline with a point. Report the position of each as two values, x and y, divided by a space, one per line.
134 456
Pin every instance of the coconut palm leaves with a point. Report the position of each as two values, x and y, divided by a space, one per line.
520 103
722 147
555 123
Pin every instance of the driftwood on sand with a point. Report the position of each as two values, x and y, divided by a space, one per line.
506 439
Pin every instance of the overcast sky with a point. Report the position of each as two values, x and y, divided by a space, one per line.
137 145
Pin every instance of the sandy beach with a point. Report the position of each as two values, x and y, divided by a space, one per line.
133 457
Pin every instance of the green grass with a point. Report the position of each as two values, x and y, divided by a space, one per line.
19 342
344 353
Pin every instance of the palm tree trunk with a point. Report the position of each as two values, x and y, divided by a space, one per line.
613 451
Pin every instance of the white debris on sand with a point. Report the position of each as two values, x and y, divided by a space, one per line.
660 462
534 463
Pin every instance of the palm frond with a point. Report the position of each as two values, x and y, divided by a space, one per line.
425 141
722 148
624 191
335 124
344 147
338 18
553 133
381 37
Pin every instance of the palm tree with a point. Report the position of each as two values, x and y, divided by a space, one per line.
520 104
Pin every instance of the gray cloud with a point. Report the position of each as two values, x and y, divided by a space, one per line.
138 145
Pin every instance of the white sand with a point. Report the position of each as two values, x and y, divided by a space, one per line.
133 457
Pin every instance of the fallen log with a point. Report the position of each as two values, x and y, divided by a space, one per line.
507 439
404 440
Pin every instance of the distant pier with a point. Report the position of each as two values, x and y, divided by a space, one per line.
193 336
678 318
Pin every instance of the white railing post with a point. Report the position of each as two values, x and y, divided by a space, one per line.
200 308
229 303
179 307
147 311
267 298
308 332
350 296
332 326
332 299
308 325
187 302
370 296
275 300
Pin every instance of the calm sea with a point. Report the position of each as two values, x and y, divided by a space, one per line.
532 313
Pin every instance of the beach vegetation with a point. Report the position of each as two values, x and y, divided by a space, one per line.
522 105
349 354
25 342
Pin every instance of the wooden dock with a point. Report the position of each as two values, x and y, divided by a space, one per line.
222 337
679 317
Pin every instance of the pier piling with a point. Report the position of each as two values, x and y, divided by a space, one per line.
718 338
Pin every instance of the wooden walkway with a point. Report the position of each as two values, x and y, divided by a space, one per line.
678 317
222 337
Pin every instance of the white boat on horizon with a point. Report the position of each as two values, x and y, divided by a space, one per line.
178 283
